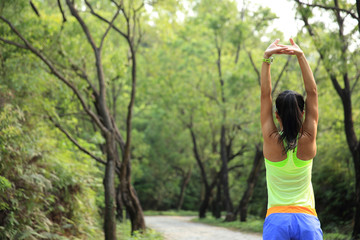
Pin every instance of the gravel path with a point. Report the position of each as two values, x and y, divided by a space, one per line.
180 228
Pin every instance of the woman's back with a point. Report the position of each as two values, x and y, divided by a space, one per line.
289 182
274 149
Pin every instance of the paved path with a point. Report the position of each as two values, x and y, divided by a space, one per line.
180 228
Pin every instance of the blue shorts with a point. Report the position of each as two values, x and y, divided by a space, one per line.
292 226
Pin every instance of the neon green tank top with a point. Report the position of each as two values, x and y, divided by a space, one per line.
289 182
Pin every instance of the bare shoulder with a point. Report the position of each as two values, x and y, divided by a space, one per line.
273 148
306 146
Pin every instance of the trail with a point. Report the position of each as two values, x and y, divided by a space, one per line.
180 228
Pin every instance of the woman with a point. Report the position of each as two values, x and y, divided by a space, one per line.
289 152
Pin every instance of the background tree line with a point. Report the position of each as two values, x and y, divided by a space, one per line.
101 98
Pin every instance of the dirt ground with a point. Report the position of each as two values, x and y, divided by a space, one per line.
180 228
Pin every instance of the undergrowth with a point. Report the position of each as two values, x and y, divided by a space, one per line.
170 213
125 233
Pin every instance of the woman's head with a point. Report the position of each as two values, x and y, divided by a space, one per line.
290 107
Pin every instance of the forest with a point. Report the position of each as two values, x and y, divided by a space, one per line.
112 108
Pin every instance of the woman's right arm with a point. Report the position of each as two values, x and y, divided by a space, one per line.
308 142
311 107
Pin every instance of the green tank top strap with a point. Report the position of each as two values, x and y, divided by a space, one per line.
297 162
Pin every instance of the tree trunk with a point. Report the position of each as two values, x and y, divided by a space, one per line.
356 229
208 189
223 153
128 193
225 177
345 96
217 202
133 207
110 196
184 184
205 203
354 146
119 205
358 12
251 182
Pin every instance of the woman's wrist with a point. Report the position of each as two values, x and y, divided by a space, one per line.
299 56
266 56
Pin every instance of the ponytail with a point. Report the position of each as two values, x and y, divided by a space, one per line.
290 106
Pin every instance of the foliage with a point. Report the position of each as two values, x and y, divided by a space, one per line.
41 196
336 236
47 186
125 233
4 184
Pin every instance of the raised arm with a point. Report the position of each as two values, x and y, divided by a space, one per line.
311 105
267 122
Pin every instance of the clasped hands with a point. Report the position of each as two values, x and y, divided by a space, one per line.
276 48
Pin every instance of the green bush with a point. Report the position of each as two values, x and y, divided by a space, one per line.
336 236
41 198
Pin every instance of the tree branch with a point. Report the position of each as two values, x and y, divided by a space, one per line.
358 11
353 15
75 142
62 11
116 4
317 66
179 169
13 43
235 166
80 72
34 8
139 8
197 156
240 152
280 75
58 75
103 110
140 35
356 81
328 69
105 20
254 66
118 136
82 24
108 29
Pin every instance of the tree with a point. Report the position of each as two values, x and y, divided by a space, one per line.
94 104
334 50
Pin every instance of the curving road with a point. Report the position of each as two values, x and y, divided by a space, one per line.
180 228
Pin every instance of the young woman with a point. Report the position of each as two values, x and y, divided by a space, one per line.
289 152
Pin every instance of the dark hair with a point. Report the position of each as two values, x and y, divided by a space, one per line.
290 106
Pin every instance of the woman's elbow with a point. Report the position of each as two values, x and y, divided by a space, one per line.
312 91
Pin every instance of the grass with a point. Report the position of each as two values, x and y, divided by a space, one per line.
171 213
125 233
336 236
253 224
